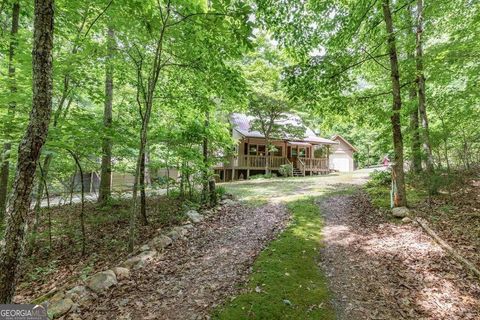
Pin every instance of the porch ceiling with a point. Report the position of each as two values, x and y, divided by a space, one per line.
296 143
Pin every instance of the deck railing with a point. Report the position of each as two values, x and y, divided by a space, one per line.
260 161
301 165
312 164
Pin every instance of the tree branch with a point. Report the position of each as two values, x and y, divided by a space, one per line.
98 17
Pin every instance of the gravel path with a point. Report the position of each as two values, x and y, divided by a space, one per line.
196 274
384 270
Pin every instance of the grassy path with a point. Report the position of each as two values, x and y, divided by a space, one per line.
287 282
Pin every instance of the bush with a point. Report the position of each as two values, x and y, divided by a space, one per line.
221 191
263 176
161 182
380 178
286 170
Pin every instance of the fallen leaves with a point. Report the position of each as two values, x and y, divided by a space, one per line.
383 270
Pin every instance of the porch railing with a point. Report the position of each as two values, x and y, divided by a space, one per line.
312 164
301 166
260 161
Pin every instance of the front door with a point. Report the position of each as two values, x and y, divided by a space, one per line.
293 155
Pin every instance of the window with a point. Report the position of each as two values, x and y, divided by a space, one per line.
252 149
301 152
261 150
277 151
245 149
294 152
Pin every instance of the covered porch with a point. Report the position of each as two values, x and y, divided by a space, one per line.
306 159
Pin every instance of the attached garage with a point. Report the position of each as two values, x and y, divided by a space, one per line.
341 158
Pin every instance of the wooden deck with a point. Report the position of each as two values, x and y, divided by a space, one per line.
244 166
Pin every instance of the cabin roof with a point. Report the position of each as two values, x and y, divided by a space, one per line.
339 137
241 123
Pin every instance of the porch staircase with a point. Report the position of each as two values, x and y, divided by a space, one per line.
297 172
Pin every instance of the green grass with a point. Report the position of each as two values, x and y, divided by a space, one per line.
380 195
287 282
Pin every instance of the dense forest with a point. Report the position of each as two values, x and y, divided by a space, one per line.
102 100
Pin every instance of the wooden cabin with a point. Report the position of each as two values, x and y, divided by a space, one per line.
308 155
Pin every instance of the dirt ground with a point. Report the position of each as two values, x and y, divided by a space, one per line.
195 275
381 269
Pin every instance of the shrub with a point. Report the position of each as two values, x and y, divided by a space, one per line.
161 182
380 178
221 191
263 176
286 170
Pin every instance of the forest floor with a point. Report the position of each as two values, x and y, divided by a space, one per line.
380 268
50 265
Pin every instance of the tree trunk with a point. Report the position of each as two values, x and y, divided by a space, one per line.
416 144
267 155
105 189
421 90
138 170
400 199
5 166
82 214
143 196
205 178
29 149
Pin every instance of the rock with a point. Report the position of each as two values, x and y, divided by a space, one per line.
181 231
57 296
188 226
228 202
145 247
140 260
194 216
160 242
78 294
75 316
123 302
130 262
400 212
121 273
406 220
174 235
60 307
227 196
101 281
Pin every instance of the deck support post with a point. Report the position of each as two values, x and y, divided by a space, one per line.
233 174
248 174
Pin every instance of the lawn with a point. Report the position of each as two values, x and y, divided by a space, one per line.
287 282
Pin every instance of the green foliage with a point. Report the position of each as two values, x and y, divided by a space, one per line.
380 178
221 191
41 272
286 170
263 176
287 282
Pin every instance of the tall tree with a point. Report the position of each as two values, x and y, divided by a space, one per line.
5 165
29 148
421 90
414 131
268 114
106 169
400 198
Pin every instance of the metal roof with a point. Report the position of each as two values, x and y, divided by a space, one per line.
241 123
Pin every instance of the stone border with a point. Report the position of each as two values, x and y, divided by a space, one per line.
67 301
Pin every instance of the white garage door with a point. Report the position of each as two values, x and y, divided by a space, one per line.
341 163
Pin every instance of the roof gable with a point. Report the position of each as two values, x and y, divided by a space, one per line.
242 124
340 138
